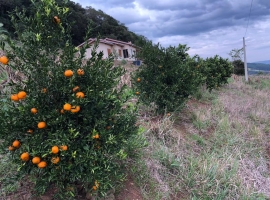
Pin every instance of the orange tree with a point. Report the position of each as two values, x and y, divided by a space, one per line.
217 70
168 76
65 123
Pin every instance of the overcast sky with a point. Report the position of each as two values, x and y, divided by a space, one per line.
208 27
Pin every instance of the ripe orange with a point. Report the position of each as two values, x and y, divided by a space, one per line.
67 107
62 111
44 90
36 160
25 156
55 149
96 136
68 73
55 160
138 80
64 147
75 88
41 125
14 97
42 164
56 20
80 95
30 131
22 95
4 60
16 144
34 110
94 187
80 72
137 93
75 109
11 148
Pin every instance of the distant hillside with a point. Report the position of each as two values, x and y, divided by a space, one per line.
253 67
264 62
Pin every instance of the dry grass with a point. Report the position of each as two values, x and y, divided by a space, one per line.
216 148
250 108
126 78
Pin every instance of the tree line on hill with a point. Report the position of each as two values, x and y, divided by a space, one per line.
102 24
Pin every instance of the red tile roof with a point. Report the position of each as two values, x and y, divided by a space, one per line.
109 41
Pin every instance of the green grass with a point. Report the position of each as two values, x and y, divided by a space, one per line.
204 152
7 171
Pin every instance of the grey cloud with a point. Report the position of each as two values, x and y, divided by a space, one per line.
207 16
183 17
192 21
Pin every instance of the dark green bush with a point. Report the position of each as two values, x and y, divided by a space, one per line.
238 67
217 70
167 77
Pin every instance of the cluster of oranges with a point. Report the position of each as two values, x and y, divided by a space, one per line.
20 96
69 73
15 145
41 125
36 160
55 157
68 107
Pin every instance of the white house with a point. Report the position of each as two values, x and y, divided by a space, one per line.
121 50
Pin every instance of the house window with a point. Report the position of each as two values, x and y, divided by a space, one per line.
125 52
120 52
109 52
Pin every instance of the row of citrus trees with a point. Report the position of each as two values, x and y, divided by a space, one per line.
170 76
66 123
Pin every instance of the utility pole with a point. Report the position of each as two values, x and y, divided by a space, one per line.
245 59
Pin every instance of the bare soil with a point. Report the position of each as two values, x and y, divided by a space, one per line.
130 191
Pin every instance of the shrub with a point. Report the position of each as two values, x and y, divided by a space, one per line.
69 119
238 67
217 70
168 76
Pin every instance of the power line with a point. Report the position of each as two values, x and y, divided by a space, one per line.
249 16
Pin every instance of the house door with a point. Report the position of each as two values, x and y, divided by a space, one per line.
125 51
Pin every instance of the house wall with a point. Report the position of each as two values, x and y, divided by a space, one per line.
131 54
114 49
101 47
